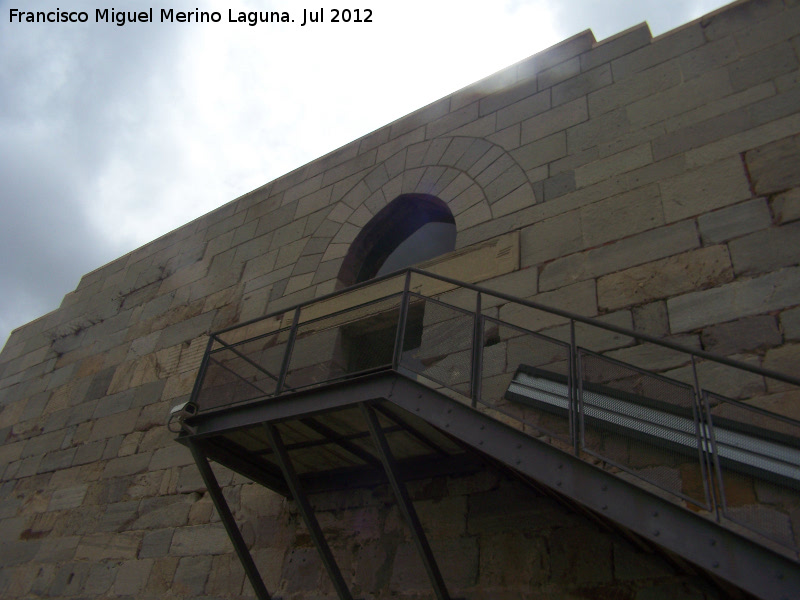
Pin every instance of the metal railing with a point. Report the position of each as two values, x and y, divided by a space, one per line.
708 432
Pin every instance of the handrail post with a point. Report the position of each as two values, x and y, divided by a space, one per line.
401 323
705 437
288 354
574 393
477 352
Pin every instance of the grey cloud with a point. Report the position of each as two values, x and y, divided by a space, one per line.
71 98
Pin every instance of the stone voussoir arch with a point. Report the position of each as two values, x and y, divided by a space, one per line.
479 180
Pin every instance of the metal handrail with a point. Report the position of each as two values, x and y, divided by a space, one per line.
530 304
709 460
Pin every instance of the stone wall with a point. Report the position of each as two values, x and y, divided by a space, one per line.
654 183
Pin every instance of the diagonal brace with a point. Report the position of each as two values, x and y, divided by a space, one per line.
224 511
293 481
404 502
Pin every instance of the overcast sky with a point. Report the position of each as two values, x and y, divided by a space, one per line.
112 136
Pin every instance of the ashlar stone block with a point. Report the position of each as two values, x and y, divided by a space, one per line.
743 298
699 269
744 335
734 221
790 324
764 65
766 250
704 189
632 251
191 575
554 120
646 83
774 167
132 576
551 238
621 216
786 206
578 298
607 167
694 94
200 540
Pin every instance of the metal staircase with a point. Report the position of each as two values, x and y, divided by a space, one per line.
415 375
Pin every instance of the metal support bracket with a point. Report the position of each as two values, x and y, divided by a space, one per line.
226 516
306 511
404 502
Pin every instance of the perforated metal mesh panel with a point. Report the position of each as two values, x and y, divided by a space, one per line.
444 351
757 460
644 424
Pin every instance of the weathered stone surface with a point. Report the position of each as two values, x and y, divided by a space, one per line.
744 335
608 166
202 539
785 359
457 559
132 576
580 563
595 338
786 206
764 65
163 512
554 120
191 575
735 221
69 579
621 216
579 298
107 546
734 300
766 250
651 319
772 167
635 250
101 577
67 498
677 104
582 84
657 358
696 270
790 324
156 543
704 189
648 82
551 239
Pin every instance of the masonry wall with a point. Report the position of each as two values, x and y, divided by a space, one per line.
654 183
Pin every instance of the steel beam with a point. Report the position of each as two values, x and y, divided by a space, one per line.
404 502
344 442
305 403
306 511
744 563
234 534
422 439
228 454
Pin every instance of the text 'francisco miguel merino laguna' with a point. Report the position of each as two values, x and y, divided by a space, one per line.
169 15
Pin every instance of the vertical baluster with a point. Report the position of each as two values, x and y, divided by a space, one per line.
477 353
287 356
401 323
